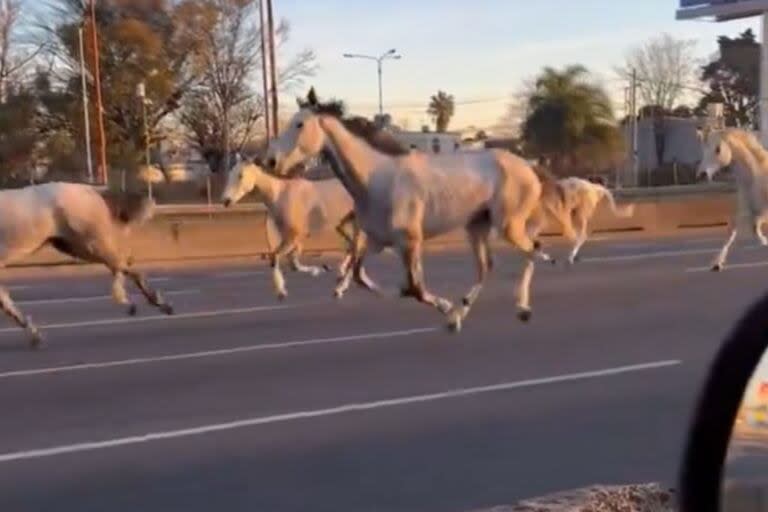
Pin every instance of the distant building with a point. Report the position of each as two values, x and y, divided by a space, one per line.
429 142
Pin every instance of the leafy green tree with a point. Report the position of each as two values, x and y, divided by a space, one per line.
570 121
733 79
140 41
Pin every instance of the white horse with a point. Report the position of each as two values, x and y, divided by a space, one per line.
299 208
577 200
741 151
404 198
77 220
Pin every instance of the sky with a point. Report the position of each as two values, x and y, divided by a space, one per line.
481 51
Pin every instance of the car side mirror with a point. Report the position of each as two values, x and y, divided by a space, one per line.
725 461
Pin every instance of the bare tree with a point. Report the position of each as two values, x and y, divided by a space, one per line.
15 53
665 68
222 114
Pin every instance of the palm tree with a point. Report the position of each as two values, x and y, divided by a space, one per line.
441 108
570 120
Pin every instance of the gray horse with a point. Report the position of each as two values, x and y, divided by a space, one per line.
77 220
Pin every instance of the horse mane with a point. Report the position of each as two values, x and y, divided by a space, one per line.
750 142
377 138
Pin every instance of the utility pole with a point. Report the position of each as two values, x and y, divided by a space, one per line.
265 70
273 70
86 113
102 170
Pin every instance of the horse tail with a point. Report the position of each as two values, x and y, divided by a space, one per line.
128 208
619 211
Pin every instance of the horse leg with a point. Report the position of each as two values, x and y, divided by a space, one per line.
23 321
534 227
298 266
153 296
758 227
359 273
278 280
352 268
411 255
119 294
348 240
719 263
580 225
100 249
517 235
478 239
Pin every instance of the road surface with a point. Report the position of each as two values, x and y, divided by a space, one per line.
240 403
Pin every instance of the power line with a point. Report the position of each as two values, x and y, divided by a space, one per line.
424 104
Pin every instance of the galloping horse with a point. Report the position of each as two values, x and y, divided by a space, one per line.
79 221
404 198
741 151
298 208
576 200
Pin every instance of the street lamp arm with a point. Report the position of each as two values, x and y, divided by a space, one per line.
389 54
359 56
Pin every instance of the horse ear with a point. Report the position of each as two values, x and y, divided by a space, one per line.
312 97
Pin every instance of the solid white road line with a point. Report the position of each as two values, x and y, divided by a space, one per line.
94 298
155 318
649 255
218 352
317 413
236 275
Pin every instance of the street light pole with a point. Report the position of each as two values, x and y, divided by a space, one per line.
391 54
381 96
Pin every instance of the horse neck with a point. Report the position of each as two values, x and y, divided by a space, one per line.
747 166
357 158
268 186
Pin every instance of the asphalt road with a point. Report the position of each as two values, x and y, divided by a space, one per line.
240 403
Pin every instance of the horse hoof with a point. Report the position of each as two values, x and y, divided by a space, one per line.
281 296
327 267
553 262
36 341
524 315
167 309
132 309
717 268
338 294
454 322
